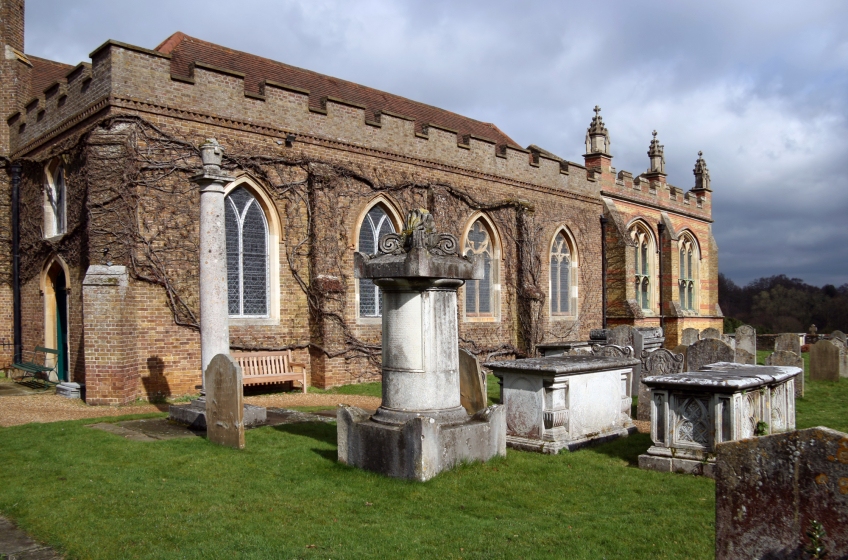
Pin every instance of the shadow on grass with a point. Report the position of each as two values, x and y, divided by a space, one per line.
319 431
627 449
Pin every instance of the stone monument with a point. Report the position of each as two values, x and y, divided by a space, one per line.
710 333
656 362
214 312
708 351
789 342
840 335
770 490
785 358
472 383
825 361
224 402
690 336
421 428
746 345
692 412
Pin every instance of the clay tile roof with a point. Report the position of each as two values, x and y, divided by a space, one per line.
45 73
185 51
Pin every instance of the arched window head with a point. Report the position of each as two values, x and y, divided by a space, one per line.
375 225
687 277
479 294
247 255
55 195
562 265
643 260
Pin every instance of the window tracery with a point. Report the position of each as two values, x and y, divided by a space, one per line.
479 294
562 263
247 255
375 225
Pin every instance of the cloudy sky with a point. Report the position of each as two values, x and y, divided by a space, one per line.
760 87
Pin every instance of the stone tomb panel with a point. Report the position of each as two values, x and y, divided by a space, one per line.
403 308
524 404
594 403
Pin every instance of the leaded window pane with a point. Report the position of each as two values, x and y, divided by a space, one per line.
247 255
59 208
478 293
645 258
375 225
563 285
645 300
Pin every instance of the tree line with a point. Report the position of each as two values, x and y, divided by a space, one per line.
780 304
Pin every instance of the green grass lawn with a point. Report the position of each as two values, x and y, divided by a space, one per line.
95 495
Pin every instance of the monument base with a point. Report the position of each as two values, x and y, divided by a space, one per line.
421 448
554 446
193 415
663 460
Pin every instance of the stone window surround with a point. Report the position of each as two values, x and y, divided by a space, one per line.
639 225
48 297
573 277
54 231
495 238
390 208
272 219
686 236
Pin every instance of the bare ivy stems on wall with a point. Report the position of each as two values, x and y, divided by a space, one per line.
130 202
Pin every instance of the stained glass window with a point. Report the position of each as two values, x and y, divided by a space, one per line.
560 276
247 255
375 225
479 293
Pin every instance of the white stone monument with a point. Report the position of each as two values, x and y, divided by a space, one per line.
421 427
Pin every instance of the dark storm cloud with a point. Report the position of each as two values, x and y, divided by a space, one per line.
758 86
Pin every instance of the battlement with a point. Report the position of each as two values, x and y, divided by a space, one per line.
647 189
124 78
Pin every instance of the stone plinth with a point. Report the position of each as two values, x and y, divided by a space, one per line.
692 412
565 402
193 414
561 348
769 490
421 427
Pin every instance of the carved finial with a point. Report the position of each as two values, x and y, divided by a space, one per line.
702 174
419 232
597 136
655 153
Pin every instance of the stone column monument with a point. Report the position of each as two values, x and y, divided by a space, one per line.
214 313
421 427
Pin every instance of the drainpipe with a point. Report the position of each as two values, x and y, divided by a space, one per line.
660 230
604 270
16 259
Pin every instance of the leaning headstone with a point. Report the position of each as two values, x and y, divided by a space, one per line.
729 339
779 496
784 358
789 342
690 336
472 383
224 402
710 333
621 335
840 335
746 345
655 362
708 351
825 361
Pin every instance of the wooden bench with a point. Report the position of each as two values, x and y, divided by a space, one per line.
35 368
262 368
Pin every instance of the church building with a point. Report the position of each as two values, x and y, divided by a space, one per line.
100 253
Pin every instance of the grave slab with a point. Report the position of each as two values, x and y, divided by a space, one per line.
784 358
826 361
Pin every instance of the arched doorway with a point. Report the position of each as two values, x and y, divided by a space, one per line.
56 316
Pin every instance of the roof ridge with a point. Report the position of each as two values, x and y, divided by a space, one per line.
168 45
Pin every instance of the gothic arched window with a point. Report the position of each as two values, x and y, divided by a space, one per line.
688 273
247 255
480 294
643 260
562 265
55 195
375 225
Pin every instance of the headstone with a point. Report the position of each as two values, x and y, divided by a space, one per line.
825 361
770 490
690 336
682 350
843 356
655 362
708 351
621 335
710 333
728 339
472 383
612 351
840 335
746 345
784 358
580 351
224 402
788 342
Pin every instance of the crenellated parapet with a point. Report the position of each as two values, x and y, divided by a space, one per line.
124 78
